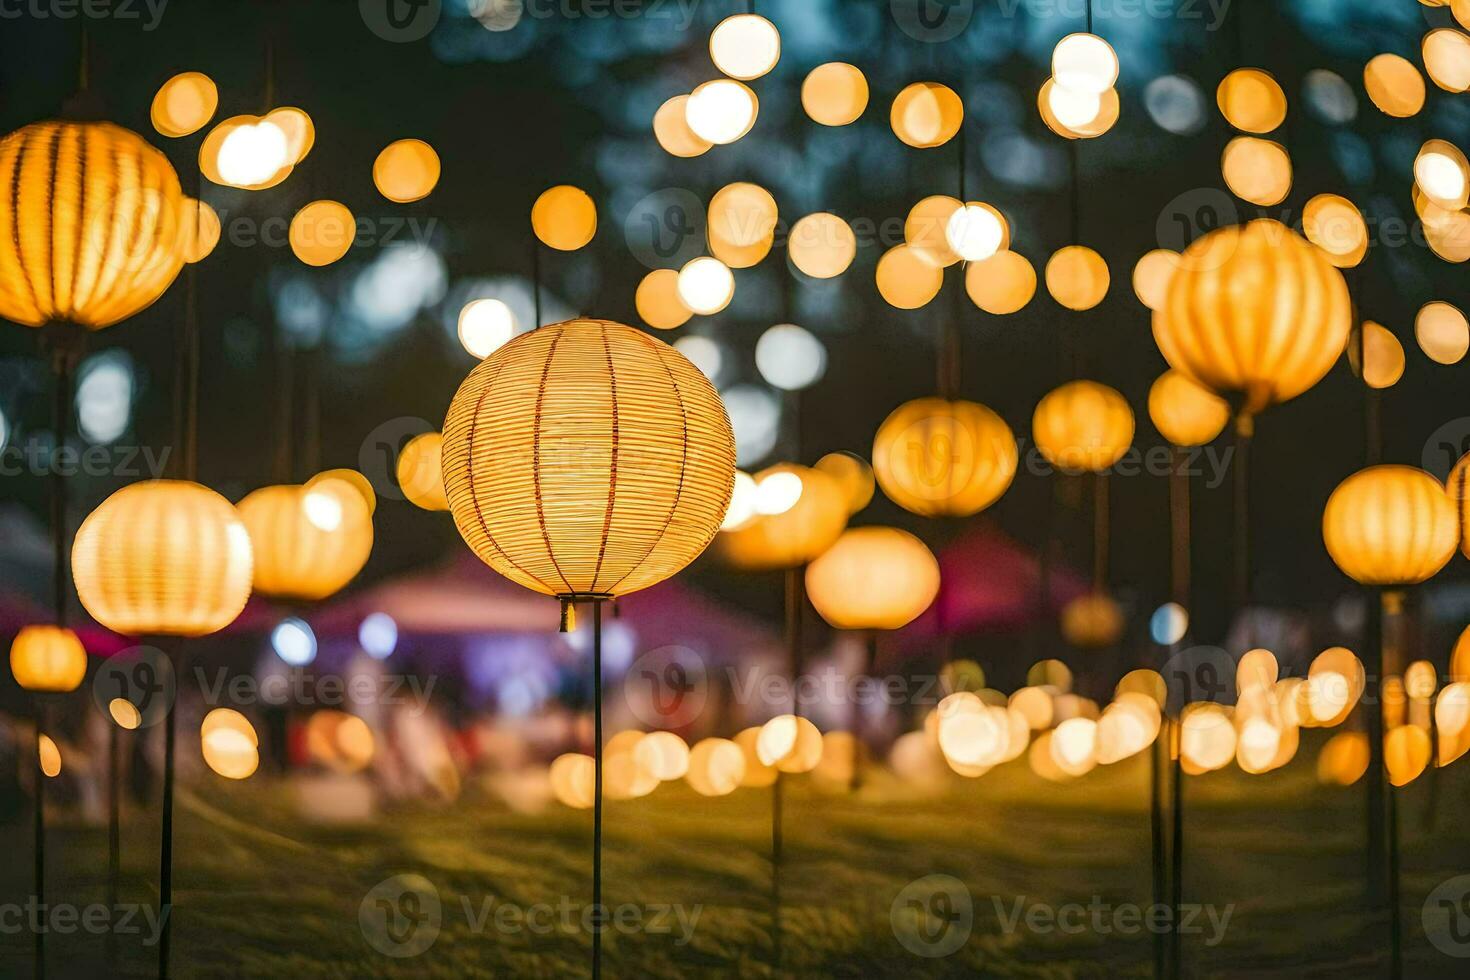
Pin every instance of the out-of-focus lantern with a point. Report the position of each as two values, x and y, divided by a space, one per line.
834 94
942 458
658 300
1344 759
1442 331
406 171
1083 426
1394 85
573 780
1390 525
795 535
927 114
1077 277
721 111
420 473
322 232
1185 412
309 541
906 279
1377 356
821 245
1001 284
789 743
873 578
1256 170
716 767
1084 63
564 218
184 104
671 129
48 659
1334 224
1251 100
705 285
854 475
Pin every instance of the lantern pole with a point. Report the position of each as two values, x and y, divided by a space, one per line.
870 643
170 647
597 789
1172 743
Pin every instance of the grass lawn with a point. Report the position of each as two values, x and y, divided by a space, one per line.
261 893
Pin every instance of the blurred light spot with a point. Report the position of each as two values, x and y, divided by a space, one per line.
294 642
777 493
756 417
378 635
742 503
703 353
497 15
1330 97
104 397
1175 104
1169 624
790 358
403 280
484 325
4 429
323 510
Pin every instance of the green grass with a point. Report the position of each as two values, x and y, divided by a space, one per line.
260 893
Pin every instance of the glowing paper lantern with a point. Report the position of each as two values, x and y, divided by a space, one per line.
1207 738
484 325
564 218
873 578
663 754
1334 225
790 744
1151 275
1442 173
1390 525
1077 277
582 418
1381 362
184 104
201 230
1254 311
333 480
308 542
1251 100
1406 753
322 232
48 658
821 245
1344 759
927 114
658 302
797 534
419 472
757 773
834 94
716 767
742 214
1092 621
745 46
1256 170
1001 284
96 231
906 279
1443 332
163 557
1082 426
1394 85
1447 58
942 458
1074 746
671 129
406 171
853 474
1084 63
721 111
1184 412
705 285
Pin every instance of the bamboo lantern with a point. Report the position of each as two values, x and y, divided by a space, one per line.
309 541
1254 312
797 534
587 459
1390 526
97 230
941 458
1185 412
49 659
420 472
873 578
1083 426
163 558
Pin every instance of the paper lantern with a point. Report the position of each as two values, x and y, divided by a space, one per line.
1378 357
1251 100
1443 332
1151 275
309 542
1335 225
671 129
1390 525
721 111
705 285
853 474
757 774
96 231
406 171
1185 412
821 245
1084 63
1001 284
906 279
163 557
927 114
1077 277
789 743
1256 170
587 458
834 94
564 218
322 232
797 534
201 230
1394 85
1092 621
184 104
48 658
658 302
745 46
942 458
1406 753
1343 759
419 472
1255 312
230 753
873 578
716 767
1082 426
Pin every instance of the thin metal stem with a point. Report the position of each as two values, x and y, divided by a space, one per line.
597 922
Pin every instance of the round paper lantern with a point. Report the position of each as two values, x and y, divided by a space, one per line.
163 557
1077 277
658 302
705 285
48 658
184 104
322 232
1334 224
798 533
201 230
1343 759
1256 170
309 542
1184 411
721 111
1390 525
1443 332
873 578
1380 361
1406 753
1394 85
1084 63
96 231
716 767
1151 275
564 218
1092 621
1001 284
419 472
406 171
853 474
821 245
834 94
1083 426
927 114
671 129
587 458
1254 311
1251 100
745 46
906 279
333 482
942 458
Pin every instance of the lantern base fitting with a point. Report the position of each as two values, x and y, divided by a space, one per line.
569 602
65 343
